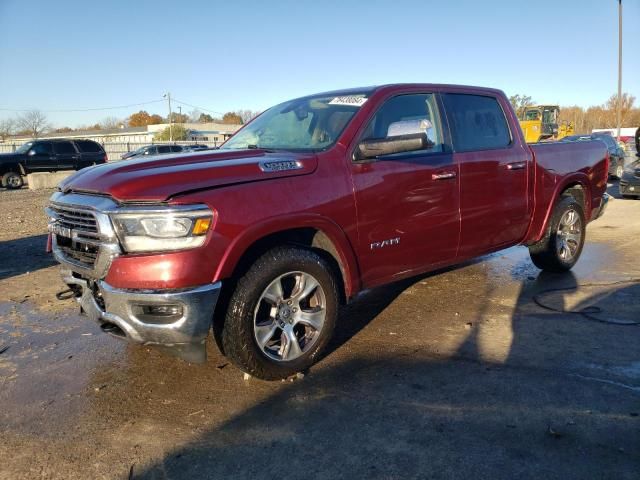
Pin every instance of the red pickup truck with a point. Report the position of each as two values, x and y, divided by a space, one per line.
314 200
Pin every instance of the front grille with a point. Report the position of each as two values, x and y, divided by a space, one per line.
79 220
83 237
83 247
78 251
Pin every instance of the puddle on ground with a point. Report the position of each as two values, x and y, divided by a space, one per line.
47 359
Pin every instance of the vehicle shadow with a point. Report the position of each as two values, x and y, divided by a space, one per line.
24 255
413 414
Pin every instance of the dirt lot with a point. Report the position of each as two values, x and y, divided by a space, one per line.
459 374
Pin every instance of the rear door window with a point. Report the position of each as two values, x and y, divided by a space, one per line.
176 148
477 122
164 149
87 146
64 148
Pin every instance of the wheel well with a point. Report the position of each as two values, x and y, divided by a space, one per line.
577 191
311 238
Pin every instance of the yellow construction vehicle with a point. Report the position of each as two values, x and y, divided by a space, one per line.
540 123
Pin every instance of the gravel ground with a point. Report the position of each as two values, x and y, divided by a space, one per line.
458 374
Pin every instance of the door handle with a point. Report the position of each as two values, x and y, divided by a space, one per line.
516 165
443 175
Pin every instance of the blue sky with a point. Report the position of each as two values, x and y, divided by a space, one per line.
252 54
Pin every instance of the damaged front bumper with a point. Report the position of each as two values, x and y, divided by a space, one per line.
177 321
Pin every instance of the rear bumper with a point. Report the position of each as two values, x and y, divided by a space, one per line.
599 211
133 314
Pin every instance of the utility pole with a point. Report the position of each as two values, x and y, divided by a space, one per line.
168 97
619 113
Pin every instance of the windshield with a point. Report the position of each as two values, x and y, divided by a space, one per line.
24 148
139 150
310 123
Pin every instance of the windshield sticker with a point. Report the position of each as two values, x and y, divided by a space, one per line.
350 100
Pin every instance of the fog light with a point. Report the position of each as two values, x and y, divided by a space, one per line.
160 313
162 310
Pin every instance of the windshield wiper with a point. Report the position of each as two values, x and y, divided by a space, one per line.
258 147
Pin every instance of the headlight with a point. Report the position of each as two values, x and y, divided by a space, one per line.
162 229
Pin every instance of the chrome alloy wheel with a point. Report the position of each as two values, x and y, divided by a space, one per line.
14 181
289 316
569 235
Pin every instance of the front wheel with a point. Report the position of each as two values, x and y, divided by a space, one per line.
561 246
282 313
12 180
619 171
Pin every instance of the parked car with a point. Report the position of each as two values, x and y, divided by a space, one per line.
194 148
630 181
152 150
616 152
315 200
48 156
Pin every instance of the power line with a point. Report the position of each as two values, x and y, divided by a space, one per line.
196 107
80 109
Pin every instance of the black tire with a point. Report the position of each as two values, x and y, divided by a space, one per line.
12 180
546 254
238 340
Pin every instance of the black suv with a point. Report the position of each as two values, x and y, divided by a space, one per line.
48 156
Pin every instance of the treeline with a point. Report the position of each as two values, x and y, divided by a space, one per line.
35 123
598 116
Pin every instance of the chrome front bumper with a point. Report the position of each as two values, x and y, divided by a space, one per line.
119 312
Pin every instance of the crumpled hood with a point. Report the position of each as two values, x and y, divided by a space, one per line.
156 179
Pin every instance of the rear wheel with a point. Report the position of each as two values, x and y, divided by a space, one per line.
282 313
12 180
560 248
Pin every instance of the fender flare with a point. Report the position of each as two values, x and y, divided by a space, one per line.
12 167
240 244
577 178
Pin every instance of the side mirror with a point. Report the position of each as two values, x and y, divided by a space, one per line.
399 144
31 153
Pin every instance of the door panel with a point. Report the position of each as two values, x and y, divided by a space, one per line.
66 155
41 158
493 199
494 173
402 203
407 203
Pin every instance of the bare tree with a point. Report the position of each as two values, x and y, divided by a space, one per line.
111 123
519 102
34 122
7 127
247 115
194 115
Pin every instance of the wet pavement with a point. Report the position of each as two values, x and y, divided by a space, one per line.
484 370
